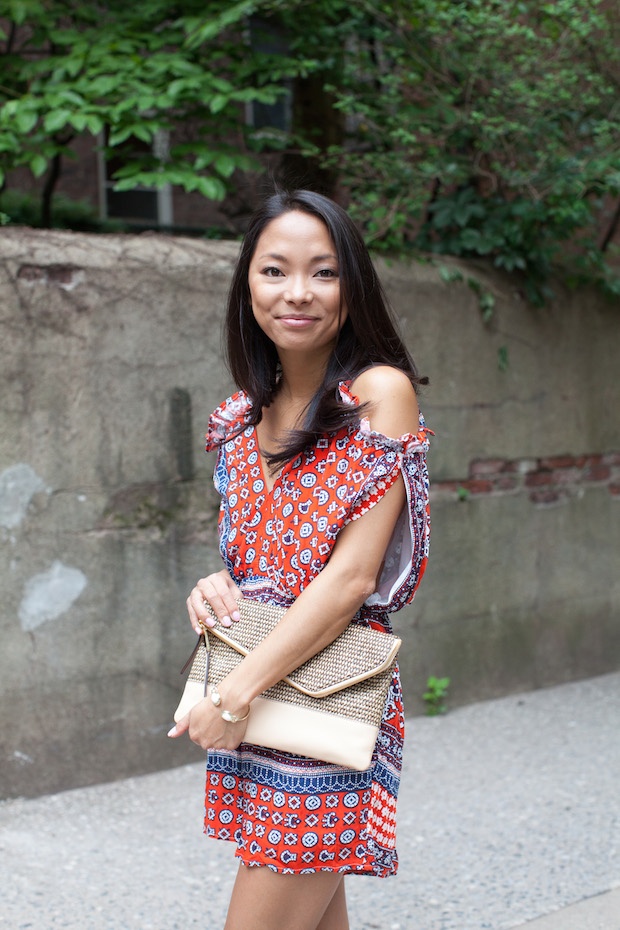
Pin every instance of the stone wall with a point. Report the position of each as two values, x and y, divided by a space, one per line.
112 362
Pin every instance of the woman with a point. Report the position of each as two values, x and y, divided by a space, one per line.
322 473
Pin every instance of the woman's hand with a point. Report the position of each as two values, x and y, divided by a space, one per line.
221 592
207 729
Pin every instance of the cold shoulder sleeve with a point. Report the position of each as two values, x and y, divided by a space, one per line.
407 553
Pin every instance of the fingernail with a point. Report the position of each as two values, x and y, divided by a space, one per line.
173 731
226 621
236 615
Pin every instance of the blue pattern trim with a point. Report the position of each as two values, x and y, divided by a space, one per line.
286 774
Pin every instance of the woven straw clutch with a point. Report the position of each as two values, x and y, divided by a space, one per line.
329 708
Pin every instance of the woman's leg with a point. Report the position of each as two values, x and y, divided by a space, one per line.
336 916
266 900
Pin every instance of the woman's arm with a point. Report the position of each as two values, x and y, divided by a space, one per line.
326 606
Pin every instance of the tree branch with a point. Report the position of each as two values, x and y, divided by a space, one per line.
612 229
48 191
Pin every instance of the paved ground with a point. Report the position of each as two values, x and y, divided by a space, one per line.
509 813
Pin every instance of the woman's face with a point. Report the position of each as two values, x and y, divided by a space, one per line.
295 285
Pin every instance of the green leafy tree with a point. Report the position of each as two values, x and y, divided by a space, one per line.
133 70
485 128
480 128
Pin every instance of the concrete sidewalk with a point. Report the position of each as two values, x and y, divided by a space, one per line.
598 913
509 816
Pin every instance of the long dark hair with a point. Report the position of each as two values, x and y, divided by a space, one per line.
368 336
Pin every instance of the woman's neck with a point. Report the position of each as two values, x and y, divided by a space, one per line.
301 377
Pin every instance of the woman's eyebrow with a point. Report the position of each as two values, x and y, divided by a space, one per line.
274 255
282 258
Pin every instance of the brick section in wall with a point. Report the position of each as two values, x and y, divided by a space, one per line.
545 480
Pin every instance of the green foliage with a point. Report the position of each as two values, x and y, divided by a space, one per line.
435 695
486 300
21 209
502 358
487 128
135 70
478 128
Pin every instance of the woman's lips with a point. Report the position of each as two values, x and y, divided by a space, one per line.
297 321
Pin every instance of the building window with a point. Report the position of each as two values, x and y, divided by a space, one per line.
268 39
141 206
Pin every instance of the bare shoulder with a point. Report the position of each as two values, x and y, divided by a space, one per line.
382 381
391 398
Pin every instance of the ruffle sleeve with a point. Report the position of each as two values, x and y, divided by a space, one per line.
407 552
227 419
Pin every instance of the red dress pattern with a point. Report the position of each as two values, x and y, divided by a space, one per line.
284 811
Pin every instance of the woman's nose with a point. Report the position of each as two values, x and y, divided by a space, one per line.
298 290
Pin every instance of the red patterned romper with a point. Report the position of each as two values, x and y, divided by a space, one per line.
287 812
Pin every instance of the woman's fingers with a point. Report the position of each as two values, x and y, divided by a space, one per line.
226 596
218 591
205 727
208 730
193 616
221 593
179 728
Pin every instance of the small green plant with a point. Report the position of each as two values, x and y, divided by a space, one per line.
502 358
435 695
448 274
463 494
486 300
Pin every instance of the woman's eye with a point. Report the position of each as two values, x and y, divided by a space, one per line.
271 271
326 273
